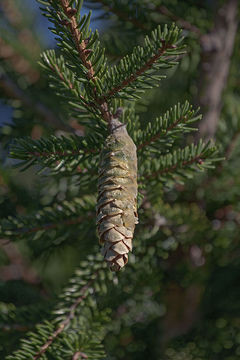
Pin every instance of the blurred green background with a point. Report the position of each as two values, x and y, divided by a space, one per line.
184 301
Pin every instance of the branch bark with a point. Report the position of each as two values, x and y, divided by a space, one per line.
217 47
81 46
135 75
157 136
180 21
196 159
180 317
48 226
68 319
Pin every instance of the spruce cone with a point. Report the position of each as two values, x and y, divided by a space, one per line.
117 196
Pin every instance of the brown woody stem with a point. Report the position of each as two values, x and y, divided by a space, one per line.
183 23
80 45
83 54
61 153
49 226
70 85
79 355
217 47
67 321
139 72
170 169
157 136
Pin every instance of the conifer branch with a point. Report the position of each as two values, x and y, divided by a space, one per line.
118 10
157 136
48 226
175 121
140 70
69 151
79 355
181 162
126 82
76 313
61 327
81 46
70 84
196 159
59 153
23 318
58 216
182 22
67 84
123 15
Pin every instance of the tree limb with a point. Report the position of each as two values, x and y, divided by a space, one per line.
139 72
48 226
66 322
183 23
196 159
83 52
157 136
217 47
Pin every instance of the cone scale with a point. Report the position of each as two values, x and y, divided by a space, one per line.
117 196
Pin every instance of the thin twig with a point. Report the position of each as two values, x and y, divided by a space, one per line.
15 327
170 169
57 71
139 72
79 355
216 50
80 45
162 9
61 153
49 226
183 23
83 52
67 321
157 136
124 15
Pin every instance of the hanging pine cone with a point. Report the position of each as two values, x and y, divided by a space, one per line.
117 196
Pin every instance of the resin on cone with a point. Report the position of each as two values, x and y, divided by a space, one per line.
117 196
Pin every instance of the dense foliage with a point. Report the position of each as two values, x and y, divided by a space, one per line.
177 298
